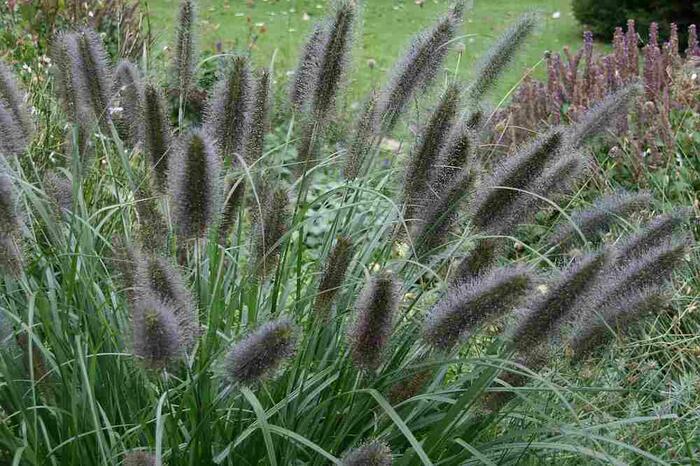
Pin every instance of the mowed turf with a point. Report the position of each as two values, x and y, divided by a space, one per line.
274 30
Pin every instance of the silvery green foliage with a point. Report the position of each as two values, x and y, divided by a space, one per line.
598 118
258 355
375 309
128 95
497 193
500 55
194 176
374 453
271 225
156 334
306 72
439 215
424 156
544 311
658 231
184 57
157 139
333 276
259 119
97 76
604 212
362 139
16 126
234 195
154 276
228 109
334 58
59 190
470 304
10 218
416 70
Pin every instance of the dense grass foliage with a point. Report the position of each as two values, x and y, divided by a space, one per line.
183 285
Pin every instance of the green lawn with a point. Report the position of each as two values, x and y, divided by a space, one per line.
279 28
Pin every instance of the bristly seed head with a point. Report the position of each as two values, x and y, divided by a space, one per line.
259 119
471 304
333 275
59 190
184 47
306 73
128 92
234 195
480 260
139 458
376 308
97 76
270 228
258 355
156 336
157 138
10 218
152 230
362 138
374 453
14 101
194 176
658 231
11 256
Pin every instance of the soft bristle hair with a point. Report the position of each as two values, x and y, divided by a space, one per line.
456 154
471 304
12 140
15 100
602 115
334 58
228 108
156 277
659 230
500 55
69 79
234 195
157 139
362 139
545 311
257 356
306 73
270 228
333 275
96 72
423 159
374 453
604 212
440 215
492 199
11 256
139 458
128 90
59 190
409 386
375 310
416 70
152 230
10 218
480 260
183 61
259 120
156 335
598 326
194 175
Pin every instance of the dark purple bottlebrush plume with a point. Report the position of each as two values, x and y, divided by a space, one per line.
59 190
333 276
155 276
234 195
97 75
128 96
544 312
69 79
183 60
228 109
12 140
376 307
157 139
494 196
693 45
602 115
334 58
657 232
258 355
439 215
598 218
374 453
125 262
139 458
409 386
14 100
259 120
152 230
456 154
599 325
362 139
500 56
416 70
306 73
269 229
11 256
424 157
194 176
308 145
156 334
471 304
10 218
480 260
